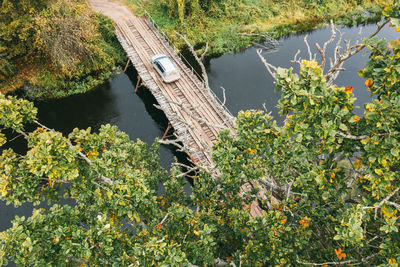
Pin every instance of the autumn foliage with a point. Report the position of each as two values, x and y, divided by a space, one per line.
330 184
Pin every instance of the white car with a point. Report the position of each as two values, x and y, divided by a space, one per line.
165 67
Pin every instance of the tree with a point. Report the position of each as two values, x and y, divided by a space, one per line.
329 180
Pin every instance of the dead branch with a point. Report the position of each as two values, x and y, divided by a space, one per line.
295 60
199 60
341 57
204 53
270 68
310 57
322 51
223 95
361 137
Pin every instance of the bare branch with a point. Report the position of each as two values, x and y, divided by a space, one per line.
164 219
223 95
350 51
308 47
204 53
199 60
353 262
270 68
361 137
384 201
295 60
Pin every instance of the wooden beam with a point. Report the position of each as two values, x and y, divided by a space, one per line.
137 84
127 64
166 131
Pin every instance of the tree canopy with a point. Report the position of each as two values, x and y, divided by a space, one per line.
55 48
330 184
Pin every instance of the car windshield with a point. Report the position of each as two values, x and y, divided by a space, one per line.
167 64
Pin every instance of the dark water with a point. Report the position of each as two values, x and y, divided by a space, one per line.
243 75
248 84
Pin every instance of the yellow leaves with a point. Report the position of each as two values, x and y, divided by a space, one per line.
4 192
339 254
196 232
311 64
304 222
357 164
378 171
252 150
389 212
384 163
369 83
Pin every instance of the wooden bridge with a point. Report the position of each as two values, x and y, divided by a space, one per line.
193 110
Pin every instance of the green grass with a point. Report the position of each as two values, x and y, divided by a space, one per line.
221 24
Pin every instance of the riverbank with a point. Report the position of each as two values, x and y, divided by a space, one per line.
56 49
232 25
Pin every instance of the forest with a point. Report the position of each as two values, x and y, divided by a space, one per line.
55 48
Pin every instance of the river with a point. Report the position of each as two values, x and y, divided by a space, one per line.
248 86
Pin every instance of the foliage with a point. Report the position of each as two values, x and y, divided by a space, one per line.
221 23
327 180
55 48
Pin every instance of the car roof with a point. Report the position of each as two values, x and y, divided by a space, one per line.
166 63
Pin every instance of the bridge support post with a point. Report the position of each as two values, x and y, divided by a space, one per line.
137 83
166 131
127 64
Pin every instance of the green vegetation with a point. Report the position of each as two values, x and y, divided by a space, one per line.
221 23
330 184
55 48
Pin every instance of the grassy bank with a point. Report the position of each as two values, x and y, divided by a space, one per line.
223 23
56 48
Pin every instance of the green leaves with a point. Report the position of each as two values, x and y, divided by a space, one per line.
15 113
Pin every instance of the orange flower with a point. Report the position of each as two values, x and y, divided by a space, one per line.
348 89
369 82
391 261
304 222
333 175
325 265
159 226
244 229
357 118
397 29
339 254
283 221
